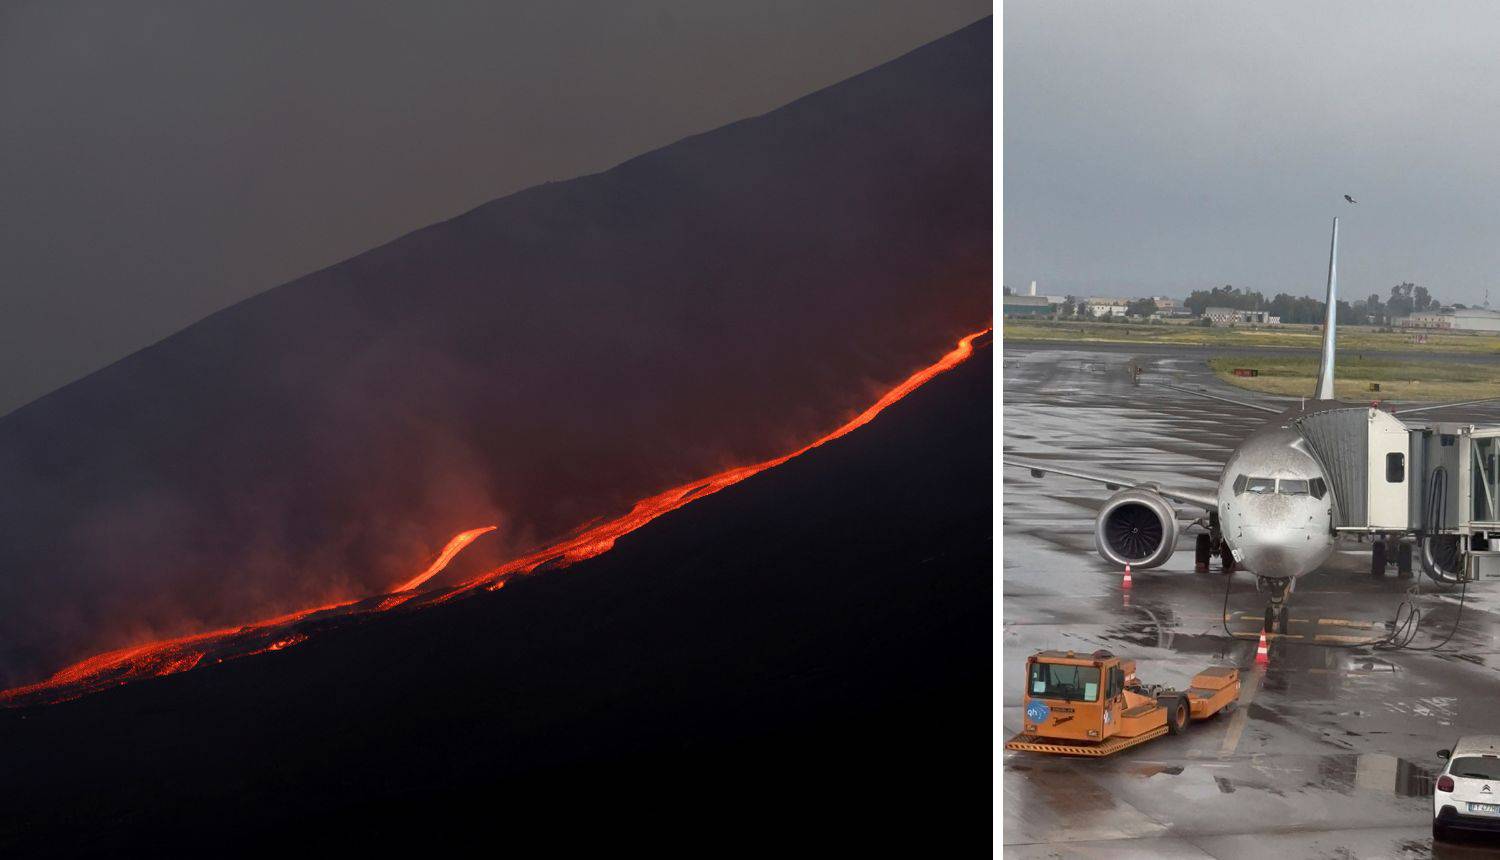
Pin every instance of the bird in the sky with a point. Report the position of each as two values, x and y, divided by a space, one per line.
1350 199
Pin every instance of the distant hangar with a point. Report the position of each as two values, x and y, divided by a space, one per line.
1455 319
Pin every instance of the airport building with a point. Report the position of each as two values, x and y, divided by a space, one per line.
1234 317
1169 307
1027 306
1455 319
1107 307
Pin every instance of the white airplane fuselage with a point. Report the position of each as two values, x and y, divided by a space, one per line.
1275 504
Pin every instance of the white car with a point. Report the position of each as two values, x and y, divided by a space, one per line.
1467 794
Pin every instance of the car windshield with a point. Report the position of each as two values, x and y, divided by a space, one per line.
1261 485
1476 767
1292 487
1056 681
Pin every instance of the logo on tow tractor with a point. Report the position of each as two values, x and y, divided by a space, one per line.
1037 711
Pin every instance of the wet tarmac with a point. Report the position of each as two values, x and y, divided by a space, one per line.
1329 752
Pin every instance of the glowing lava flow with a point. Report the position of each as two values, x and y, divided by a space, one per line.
460 540
171 656
601 538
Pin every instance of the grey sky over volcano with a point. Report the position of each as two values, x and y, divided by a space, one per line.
1160 147
164 161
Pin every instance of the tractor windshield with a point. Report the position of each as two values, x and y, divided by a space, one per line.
1057 681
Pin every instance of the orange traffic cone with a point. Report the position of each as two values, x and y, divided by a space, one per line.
1263 650
1125 583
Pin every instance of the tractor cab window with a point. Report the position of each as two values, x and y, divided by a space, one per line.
1056 681
1292 487
1114 683
1260 486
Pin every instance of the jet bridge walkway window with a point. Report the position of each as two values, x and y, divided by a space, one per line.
1485 478
1395 467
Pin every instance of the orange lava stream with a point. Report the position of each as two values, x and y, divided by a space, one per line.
456 545
170 656
601 538
164 657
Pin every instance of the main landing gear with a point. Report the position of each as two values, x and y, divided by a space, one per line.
1276 614
1211 544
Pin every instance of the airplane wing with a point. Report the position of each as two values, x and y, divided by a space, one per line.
1271 409
1207 501
1412 409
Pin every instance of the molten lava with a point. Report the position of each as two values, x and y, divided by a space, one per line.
601 538
460 540
171 656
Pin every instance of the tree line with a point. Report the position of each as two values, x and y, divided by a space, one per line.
1406 299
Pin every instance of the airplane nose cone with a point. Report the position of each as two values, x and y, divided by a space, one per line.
1284 553
1265 559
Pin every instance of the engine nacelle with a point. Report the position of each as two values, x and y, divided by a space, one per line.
1136 527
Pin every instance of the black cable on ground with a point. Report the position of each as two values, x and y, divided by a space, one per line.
1403 628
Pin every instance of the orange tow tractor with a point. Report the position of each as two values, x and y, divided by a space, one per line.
1094 705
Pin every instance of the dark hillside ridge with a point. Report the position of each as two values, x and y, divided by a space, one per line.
802 659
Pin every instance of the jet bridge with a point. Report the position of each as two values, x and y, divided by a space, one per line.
1438 482
1364 452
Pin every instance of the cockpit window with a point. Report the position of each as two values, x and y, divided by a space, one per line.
1292 487
1239 484
1261 485
1317 487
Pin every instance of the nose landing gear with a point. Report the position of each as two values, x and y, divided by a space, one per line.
1276 614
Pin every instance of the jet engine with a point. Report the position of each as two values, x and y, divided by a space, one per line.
1136 527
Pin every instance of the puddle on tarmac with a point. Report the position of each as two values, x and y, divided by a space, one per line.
1377 772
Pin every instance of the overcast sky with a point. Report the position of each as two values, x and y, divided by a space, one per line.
163 160
1168 146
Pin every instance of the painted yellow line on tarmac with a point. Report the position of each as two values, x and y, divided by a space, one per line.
1340 622
1255 616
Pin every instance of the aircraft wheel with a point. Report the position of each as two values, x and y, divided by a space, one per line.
1270 619
1202 554
1282 620
1403 560
1177 713
1377 558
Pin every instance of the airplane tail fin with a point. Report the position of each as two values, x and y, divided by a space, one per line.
1330 322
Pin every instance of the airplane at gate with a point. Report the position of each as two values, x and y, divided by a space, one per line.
1285 493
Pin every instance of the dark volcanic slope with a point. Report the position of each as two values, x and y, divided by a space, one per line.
536 362
801 659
